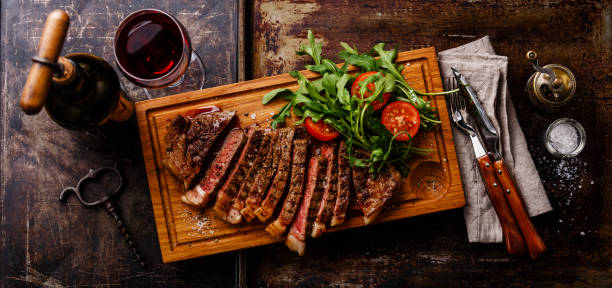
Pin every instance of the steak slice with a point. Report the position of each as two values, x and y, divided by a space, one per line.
234 181
229 152
380 189
328 199
176 146
360 176
185 155
296 189
262 178
279 183
267 174
296 240
344 186
238 204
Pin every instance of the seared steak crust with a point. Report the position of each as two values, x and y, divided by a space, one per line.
344 186
380 190
328 199
230 189
296 189
277 187
207 187
234 216
176 146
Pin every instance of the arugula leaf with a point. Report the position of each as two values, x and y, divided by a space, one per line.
341 92
283 92
348 48
279 119
329 84
312 49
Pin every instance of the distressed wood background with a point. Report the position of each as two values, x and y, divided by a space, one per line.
46 243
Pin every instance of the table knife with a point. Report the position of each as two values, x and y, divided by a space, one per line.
535 244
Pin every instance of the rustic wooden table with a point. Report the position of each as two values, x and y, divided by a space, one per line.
44 242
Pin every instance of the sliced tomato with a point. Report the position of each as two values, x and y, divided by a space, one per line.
401 116
320 130
371 87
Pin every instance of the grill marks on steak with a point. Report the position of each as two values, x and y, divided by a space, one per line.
238 204
277 187
176 146
296 239
186 150
262 179
360 177
344 186
380 189
328 198
205 189
296 189
232 185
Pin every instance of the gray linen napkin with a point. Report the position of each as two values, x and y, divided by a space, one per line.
486 72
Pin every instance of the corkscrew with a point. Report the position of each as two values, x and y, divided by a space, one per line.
107 202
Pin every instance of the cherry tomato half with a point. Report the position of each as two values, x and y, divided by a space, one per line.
355 90
401 116
320 130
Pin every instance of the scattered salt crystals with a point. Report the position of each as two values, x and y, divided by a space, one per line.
592 182
253 115
560 221
564 138
271 113
200 224
582 233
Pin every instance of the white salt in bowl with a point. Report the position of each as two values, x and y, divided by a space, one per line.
565 138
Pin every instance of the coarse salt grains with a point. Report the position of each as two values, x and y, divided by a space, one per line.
565 138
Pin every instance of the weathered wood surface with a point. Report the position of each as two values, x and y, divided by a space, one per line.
185 232
432 250
45 242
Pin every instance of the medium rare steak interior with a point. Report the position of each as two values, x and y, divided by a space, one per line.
188 142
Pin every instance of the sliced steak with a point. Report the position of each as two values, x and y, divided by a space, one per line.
238 204
176 146
328 199
262 178
232 185
380 189
360 176
186 157
344 186
267 174
207 187
279 183
296 189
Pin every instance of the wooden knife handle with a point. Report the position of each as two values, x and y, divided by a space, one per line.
535 245
39 78
512 235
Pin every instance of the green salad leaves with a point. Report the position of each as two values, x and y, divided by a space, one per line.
329 99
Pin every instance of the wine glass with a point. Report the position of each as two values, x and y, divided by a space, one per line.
153 50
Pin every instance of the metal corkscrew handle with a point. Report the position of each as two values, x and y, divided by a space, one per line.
111 210
107 201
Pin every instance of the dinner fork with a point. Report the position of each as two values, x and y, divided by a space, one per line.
513 238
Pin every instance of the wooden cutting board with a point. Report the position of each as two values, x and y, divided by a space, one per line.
433 184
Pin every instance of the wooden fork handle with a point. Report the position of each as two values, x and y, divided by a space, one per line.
535 244
512 235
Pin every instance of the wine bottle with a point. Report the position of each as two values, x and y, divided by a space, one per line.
79 91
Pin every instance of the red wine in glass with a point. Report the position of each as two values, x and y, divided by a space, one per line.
153 49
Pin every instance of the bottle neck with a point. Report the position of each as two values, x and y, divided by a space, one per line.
70 77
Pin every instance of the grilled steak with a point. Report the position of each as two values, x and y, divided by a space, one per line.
186 157
296 189
232 185
296 240
205 189
344 187
328 199
277 187
360 176
380 189
262 178
176 146
238 204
